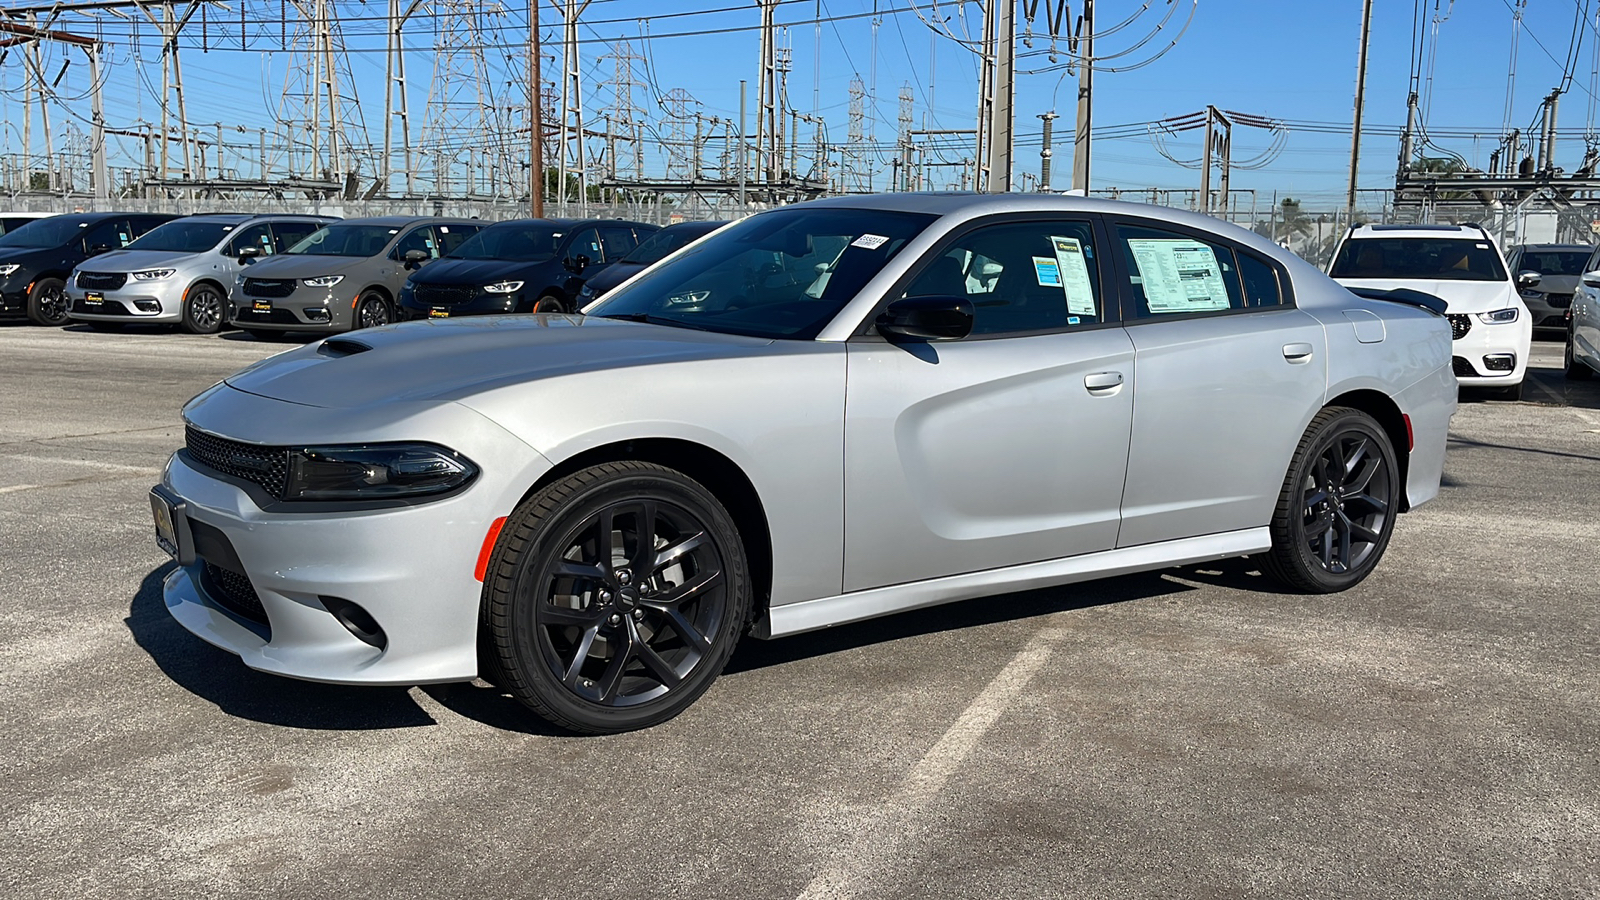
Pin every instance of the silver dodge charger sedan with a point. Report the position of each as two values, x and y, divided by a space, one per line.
823 413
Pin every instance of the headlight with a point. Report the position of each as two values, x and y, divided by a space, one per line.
586 291
154 274
688 298
8 268
322 281
503 287
1531 293
1499 316
375 472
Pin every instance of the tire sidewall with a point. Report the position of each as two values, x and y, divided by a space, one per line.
549 300
519 650
189 296
36 309
368 298
1331 430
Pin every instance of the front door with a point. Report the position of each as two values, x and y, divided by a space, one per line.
1008 446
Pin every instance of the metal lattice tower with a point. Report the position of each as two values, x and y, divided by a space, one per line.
317 112
908 102
624 117
677 134
852 178
464 130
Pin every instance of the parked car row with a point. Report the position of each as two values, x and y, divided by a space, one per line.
277 273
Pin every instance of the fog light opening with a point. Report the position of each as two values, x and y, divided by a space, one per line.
317 315
1500 362
149 306
357 621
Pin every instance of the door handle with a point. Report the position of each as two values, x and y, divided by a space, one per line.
1100 381
1297 352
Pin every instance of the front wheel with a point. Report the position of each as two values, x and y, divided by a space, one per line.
47 302
1338 504
373 311
615 597
202 309
1576 370
549 303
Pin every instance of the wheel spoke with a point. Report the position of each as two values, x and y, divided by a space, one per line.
686 630
1318 527
570 676
1359 480
1341 533
611 679
677 550
1353 459
658 667
603 547
696 585
575 569
1315 498
1372 503
566 615
644 540
1363 533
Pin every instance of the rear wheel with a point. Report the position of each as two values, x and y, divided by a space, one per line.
615 597
373 310
47 302
549 303
1575 368
202 309
1338 504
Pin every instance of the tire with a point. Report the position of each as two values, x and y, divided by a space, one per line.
635 650
204 309
1576 369
47 302
372 311
1344 464
549 303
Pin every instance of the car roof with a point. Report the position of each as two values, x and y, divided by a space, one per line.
1431 230
402 221
1547 247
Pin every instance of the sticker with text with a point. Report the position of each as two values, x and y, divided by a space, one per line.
869 241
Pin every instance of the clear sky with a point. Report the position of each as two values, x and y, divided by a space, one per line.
1292 60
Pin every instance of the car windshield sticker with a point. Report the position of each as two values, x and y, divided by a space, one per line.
1046 270
1074 275
869 241
1179 275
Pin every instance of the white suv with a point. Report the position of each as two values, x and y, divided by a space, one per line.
1460 264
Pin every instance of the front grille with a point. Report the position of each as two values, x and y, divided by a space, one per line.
444 294
234 590
248 316
102 281
1558 301
276 288
103 308
1462 368
1459 325
266 466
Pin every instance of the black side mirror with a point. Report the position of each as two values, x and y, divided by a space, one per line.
247 255
926 319
1528 278
98 249
415 258
576 264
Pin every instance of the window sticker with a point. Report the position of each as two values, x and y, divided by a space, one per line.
1178 275
1047 270
1074 276
869 241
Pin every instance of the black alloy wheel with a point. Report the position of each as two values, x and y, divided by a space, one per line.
1338 504
549 303
616 597
47 302
373 311
202 309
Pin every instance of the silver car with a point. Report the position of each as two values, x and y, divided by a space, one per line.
1547 277
180 272
345 276
823 413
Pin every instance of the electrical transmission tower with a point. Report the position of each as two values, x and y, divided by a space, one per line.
676 135
904 181
317 113
624 117
853 165
463 131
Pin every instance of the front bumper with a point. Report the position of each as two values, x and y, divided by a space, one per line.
410 568
1549 311
483 304
305 309
143 301
1476 353
13 304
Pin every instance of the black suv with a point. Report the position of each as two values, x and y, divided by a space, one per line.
591 285
519 266
37 258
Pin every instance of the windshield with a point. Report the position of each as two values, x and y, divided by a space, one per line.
52 232
1431 259
184 236
666 241
1554 262
346 240
782 274
530 241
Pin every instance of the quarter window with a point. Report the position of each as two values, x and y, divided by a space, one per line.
1171 274
1261 287
1020 277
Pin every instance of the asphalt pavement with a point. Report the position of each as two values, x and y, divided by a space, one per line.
1191 733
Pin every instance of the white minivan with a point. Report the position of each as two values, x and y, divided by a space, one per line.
1460 264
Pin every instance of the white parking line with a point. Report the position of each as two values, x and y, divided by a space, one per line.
17 487
900 818
57 460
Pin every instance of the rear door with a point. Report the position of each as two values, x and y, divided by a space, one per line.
1228 376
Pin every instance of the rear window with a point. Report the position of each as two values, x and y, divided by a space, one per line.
1430 259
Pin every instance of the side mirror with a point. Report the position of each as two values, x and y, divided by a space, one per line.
1528 278
576 264
1592 279
98 249
415 258
926 319
247 255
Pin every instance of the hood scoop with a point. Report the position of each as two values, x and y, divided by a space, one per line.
337 347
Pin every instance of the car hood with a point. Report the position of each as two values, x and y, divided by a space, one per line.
450 359
1558 284
132 260
1461 296
303 265
613 275
476 271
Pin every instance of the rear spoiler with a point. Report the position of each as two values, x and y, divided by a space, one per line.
1403 295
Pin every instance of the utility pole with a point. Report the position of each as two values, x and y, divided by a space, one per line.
1080 136
767 94
1047 151
999 68
1361 89
744 165
571 96
535 118
394 89
1219 146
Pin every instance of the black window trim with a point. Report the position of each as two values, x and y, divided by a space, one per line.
1130 316
867 331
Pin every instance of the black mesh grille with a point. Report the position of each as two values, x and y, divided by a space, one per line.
102 281
444 294
268 287
1462 368
266 466
1558 301
234 590
1459 325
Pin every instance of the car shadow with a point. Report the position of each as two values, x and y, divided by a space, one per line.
1460 442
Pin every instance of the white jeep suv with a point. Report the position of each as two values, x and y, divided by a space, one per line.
1461 265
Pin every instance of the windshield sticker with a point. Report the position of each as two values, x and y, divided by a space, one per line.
869 241
1178 275
1047 270
1074 275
